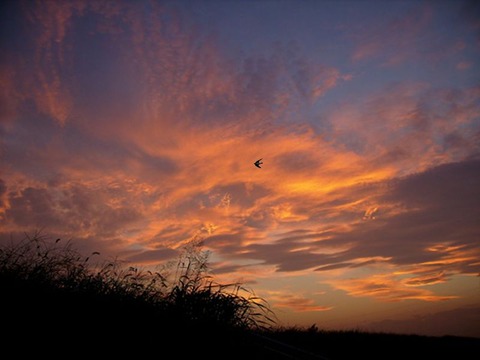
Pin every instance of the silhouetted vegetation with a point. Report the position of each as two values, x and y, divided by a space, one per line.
53 294
356 344
53 298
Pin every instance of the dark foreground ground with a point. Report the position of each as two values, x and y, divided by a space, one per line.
36 324
361 345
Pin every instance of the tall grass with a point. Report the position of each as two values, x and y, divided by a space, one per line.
190 297
36 262
194 295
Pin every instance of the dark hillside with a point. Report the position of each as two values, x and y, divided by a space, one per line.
364 345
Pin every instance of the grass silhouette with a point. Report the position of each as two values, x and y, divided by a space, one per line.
53 293
58 303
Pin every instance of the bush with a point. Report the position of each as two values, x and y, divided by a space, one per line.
49 285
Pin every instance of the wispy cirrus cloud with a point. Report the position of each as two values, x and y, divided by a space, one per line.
411 120
429 279
416 36
394 39
387 288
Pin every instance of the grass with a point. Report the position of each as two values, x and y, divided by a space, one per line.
55 295
59 303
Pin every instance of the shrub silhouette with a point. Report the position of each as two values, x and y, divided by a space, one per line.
194 296
49 285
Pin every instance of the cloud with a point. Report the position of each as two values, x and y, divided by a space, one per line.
443 189
312 81
80 209
413 39
355 263
3 191
393 39
49 24
429 279
408 121
464 65
420 232
469 15
433 207
296 303
139 93
387 288
31 206
152 256
8 97
298 161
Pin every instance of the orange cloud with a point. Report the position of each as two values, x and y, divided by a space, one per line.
296 303
387 288
429 279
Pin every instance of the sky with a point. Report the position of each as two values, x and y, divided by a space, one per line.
131 128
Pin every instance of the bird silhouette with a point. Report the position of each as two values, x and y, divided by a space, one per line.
258 163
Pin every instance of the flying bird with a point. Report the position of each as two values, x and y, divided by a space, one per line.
258 163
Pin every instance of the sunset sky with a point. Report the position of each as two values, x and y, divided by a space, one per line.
131 127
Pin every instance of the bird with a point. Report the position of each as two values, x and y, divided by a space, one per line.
258 163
